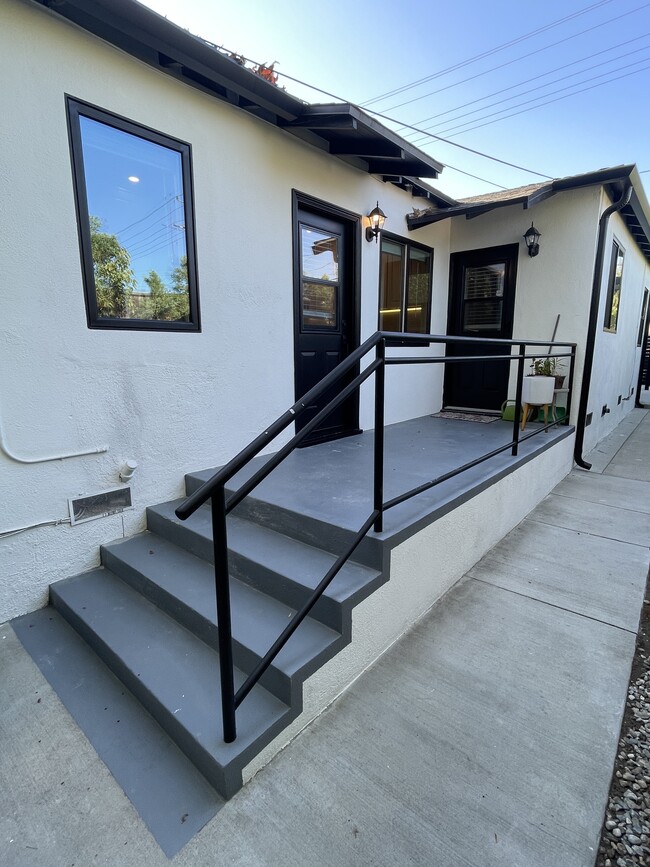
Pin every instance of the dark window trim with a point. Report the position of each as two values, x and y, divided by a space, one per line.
75 108
643 319
407 243
616 248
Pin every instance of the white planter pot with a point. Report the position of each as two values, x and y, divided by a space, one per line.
538 390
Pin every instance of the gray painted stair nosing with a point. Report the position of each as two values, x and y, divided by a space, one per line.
298 526
225 778
286 686
288 589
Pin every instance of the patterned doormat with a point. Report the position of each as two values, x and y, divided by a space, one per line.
466 416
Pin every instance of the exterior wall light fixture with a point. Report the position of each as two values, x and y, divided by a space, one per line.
376 220
531 238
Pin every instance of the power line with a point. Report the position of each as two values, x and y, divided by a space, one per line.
517 59
410 126
557 99
542 75
449 129
487 53
135 223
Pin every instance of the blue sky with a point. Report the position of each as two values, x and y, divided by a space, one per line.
592 70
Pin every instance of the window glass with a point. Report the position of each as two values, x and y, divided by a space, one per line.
614 288
320 254
132 204
642 321
390 290
483 297
319 283
404 287
417 291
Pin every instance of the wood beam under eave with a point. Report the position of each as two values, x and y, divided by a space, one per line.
323 122
358 147
406 167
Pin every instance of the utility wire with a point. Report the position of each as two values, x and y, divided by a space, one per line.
548 102
542 75
417 129
402 124
449 129
487 53
517 59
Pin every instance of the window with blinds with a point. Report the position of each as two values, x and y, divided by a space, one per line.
483 297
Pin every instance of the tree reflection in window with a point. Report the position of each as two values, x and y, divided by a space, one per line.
133 199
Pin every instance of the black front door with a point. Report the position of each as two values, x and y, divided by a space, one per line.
325 313
481 304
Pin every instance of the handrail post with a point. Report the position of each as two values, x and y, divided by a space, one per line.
572 365
520 383
378 487
222 585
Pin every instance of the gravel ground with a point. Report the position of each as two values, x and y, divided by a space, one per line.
625 840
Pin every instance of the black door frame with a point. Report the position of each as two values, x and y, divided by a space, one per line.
508 253
304 201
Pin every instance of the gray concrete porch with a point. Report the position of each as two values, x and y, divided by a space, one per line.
486 736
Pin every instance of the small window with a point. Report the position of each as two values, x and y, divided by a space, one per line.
614 288
135 213
644 315
404 286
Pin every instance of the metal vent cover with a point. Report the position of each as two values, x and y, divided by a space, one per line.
99 505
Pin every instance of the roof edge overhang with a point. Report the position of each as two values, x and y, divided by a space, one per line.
342 130
636 214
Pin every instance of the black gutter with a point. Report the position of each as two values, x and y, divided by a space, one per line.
593 323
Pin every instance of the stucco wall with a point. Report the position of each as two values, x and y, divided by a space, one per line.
174 402
616 355
559 279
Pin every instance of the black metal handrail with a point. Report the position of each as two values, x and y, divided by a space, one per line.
215 488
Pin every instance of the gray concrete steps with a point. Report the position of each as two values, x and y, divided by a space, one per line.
272 562
174 674
182 585
322 533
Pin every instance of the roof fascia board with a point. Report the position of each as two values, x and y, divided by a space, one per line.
145 35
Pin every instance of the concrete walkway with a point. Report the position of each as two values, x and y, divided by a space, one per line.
486 736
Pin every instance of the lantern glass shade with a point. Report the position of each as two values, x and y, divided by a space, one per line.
377 219
531 237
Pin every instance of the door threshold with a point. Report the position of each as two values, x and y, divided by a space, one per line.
495 412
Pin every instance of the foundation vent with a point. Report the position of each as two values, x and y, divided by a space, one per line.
99 505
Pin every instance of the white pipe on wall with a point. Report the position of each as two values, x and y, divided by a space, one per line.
44 459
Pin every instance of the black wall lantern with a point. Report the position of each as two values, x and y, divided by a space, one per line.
376 220
531 238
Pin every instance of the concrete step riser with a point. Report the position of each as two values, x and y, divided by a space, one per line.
273 679
301 527
255 574
223 782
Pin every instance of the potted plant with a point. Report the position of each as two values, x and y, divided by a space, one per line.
549 367
538 386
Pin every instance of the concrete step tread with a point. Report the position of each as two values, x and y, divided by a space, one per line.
165 661
151 564
303 563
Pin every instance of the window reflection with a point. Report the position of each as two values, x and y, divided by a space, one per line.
404 287
483 297
319 253
134 190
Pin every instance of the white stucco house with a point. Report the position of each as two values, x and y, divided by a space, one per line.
185 255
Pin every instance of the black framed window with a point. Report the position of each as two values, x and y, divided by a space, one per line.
405 279
644 316
135 212
613 298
